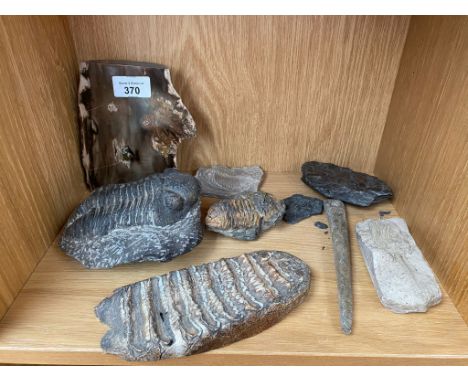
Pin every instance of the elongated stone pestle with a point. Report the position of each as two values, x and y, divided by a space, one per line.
336 214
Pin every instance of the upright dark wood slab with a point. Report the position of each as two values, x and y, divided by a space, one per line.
124 139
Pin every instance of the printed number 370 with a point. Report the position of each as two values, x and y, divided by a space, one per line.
131 90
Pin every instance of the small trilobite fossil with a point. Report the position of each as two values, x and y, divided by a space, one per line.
227 182
202 307
245 216
153 219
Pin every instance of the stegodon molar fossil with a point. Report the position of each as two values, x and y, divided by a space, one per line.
153 219
226 182
125 137
245 216
202 307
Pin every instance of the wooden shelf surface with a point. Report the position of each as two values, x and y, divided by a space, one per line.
52 320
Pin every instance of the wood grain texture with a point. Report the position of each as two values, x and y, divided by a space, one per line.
40 175
52 320
273 91
424 150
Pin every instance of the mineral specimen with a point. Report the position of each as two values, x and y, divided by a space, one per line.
401 276
153 219
336 214
245 216
225 182
321 225
345 184
300 207
131 121
202 307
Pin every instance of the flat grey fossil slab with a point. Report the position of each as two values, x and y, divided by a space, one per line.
153 219
344 184
245 216
202 307
227 182
401 276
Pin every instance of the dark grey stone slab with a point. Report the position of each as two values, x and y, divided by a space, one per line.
153 219
344 184
203 307
300 207
245 216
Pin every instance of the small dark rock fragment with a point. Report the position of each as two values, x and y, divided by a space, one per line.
320 225
344 184
300 207
383 213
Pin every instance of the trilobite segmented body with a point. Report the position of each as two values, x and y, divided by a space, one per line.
245 216
203 307
153 219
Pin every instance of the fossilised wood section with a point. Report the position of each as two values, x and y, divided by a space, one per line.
202 307
336 214
153 219
126 138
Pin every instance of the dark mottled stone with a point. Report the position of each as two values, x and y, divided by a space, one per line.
153 219
344 184
300 207
383 213
321 225
202 307
245 216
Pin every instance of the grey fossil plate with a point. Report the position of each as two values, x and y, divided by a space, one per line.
226 182
344 184
245 216
153 219
401 276
203 307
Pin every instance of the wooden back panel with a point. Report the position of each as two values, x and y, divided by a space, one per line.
273 91
40 174
424 149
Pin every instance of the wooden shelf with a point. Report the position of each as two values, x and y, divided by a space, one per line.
52 320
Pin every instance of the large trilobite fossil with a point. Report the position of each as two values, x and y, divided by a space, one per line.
131 121
245 216
202 307
153 219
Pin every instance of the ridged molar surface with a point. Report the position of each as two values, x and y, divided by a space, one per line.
203 307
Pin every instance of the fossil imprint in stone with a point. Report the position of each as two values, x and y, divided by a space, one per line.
153 219
226 182
401 276
125 137
202 307
245 216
